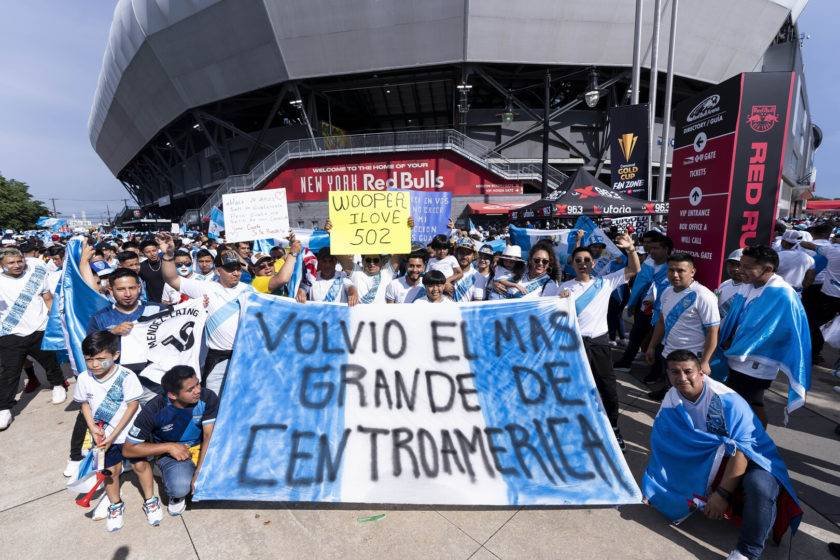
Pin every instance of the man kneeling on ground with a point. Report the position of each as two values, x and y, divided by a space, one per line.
709 451
171 428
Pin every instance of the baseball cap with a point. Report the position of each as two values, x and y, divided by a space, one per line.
227 258
792 236
486 249
465 243
735 255
255 260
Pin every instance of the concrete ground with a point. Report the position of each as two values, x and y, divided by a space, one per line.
40 520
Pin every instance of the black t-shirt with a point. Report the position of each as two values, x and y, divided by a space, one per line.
153 277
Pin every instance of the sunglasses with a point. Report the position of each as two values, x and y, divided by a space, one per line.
543 262
483 257
266 264
372 260
583 260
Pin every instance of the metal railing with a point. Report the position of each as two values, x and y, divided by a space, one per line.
404 141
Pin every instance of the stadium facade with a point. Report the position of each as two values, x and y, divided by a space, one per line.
200 98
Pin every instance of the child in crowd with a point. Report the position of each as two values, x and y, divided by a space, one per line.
443 261
508 272
110 398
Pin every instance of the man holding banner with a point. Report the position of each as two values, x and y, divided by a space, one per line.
222 306
592 298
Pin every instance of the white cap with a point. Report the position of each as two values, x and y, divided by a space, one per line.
735 255
792 236
512 252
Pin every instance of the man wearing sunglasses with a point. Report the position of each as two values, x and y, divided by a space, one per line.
222 306
372 281
592 299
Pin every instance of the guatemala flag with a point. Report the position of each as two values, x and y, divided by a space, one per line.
685 462
76 305
770 329
217 223
481 404
312 241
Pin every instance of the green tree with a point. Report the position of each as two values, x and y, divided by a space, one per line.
18 210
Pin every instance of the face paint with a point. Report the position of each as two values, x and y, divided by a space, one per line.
184 270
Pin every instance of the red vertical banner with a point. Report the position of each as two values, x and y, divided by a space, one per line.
704 147
726 173
759 156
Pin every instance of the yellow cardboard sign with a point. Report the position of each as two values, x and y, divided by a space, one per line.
370 223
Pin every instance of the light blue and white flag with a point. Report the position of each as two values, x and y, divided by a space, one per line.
482 404
217 223
771 330
263 246
312 241
685 461
77 304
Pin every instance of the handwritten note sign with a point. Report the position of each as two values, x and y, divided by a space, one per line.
256 215
431 212
369 222
490 404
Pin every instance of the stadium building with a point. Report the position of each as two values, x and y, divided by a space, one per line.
196 99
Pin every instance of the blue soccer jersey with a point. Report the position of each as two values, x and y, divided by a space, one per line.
160 421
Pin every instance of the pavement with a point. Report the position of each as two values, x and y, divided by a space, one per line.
39 518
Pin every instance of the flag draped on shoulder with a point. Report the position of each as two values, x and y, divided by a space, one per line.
685 462
770 329
77 304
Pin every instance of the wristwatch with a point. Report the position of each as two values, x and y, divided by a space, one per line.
170 259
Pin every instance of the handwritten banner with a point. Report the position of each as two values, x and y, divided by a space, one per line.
431 212
490 404
369 223
256 215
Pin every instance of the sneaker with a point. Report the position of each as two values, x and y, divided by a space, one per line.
619 439
613 343
5 419
177 506
658 395
100 512
71 468
736 555
115 517
153 511
59 394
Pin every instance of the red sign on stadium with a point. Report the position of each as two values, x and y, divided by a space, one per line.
310 180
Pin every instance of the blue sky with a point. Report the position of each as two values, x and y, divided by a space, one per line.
51 52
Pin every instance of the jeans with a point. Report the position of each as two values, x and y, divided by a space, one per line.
13 352
615 321
598 353
641 328
760 492
177 476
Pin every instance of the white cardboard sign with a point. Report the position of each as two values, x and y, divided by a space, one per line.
256 215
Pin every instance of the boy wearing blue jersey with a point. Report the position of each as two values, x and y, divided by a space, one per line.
171 429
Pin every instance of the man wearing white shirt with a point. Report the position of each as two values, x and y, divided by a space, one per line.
24 306
689 319
372 281
406 289
222 306
795 265
592 299
730 287
826 305
329 284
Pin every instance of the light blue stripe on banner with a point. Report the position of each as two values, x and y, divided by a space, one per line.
521 345
260 470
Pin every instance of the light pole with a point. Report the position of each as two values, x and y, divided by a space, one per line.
666 115
546 111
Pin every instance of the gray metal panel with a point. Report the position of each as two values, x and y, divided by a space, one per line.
716 38
324 37
165 57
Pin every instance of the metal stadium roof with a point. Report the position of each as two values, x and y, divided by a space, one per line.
165 57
